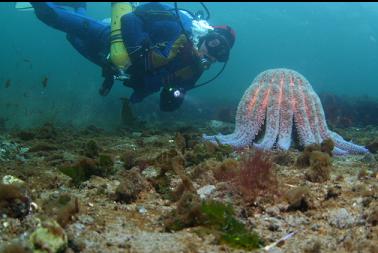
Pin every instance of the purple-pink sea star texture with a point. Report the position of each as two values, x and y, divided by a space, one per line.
280 99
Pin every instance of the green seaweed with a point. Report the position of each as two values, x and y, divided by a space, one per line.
77 174
214 217
91 149
207 150
162 186
105 161
85 168
233 232
105 165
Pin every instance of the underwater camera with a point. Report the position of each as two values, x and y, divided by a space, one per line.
171 98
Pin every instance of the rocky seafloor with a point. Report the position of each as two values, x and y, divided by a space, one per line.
89 190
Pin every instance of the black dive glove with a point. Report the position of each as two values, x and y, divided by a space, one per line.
106 86
108 82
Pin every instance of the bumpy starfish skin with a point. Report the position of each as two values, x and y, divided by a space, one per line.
278 99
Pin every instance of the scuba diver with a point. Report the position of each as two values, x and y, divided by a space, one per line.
149 47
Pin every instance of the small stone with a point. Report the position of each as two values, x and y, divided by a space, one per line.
205 191
136 134
151 172
9 179
86 219
273 211
142 210
274 250
14 201
274 224
24 150
216 124
341 218
295 221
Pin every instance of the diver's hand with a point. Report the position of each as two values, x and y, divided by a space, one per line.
106 86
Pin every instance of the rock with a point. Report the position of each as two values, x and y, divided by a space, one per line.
8 150
373 146
9 179
315 227
85 168
375 171
283 159
205 191
313 247
14 201
86 219
274 250
152 140
142 210
43 146
298 199
368 158
151 172
216 124
373 216
69 157
25 135
47 131
61 207
130 186
320 167
341 218
136 134
24 150
273 224
273 211
15 247
220 126
332 193
295 221
48 238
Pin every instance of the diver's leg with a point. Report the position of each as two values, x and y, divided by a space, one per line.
69 22
80 7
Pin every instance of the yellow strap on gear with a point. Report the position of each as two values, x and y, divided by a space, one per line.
159 60
118 53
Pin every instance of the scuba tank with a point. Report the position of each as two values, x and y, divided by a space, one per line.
118 53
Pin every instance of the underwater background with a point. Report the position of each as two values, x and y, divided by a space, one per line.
43 79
